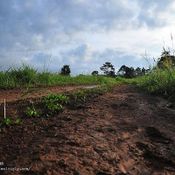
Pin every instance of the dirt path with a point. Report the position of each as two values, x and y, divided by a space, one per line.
122 132
21 94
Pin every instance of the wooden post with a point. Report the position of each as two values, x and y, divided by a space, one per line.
5 109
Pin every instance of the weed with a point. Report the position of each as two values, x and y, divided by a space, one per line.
9 121
54 103
56 98
32 112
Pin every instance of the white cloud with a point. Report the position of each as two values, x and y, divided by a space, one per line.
83 31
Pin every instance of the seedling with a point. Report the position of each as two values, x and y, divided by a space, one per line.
7 121
31 112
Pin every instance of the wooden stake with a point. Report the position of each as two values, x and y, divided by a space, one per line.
5 109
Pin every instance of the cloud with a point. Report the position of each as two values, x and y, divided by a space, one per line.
56 32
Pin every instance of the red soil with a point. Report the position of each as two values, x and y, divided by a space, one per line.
22 94
122 132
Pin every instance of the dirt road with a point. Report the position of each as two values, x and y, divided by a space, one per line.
122 132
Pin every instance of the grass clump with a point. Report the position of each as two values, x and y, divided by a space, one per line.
158 81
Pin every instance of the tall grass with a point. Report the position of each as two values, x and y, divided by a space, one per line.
159 81
27 76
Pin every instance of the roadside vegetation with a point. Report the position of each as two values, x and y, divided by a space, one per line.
27 76
161 79
159 82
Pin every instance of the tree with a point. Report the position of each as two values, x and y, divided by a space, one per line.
65 70
138 71
143 71
94 72
108 69
166 60
127 72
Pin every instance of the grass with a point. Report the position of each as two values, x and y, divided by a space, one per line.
27 76
159 82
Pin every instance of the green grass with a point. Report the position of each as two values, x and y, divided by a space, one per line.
159 81
26 76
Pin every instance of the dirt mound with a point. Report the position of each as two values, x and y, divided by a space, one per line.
122 132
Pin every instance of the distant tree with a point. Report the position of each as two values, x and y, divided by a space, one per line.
143 71
108 69
94 72
166 60
127 72
138 71
65 70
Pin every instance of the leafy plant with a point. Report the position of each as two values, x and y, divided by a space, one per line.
54 103
56 98
7 121
32 112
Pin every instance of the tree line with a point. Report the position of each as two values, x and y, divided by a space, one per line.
166 60
128 72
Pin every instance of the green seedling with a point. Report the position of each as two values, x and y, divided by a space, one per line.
32 112
7 121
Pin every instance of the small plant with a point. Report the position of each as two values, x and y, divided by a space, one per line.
56 98
32 112
7 121
54 103
18 121
80 96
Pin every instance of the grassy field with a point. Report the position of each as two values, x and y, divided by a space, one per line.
26 76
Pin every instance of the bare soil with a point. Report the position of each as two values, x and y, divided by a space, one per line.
121 132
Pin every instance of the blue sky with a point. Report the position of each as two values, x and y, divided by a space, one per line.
83 33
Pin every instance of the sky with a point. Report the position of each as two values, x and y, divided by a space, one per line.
84 34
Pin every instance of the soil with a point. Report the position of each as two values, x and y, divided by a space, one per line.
13 95
123 132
